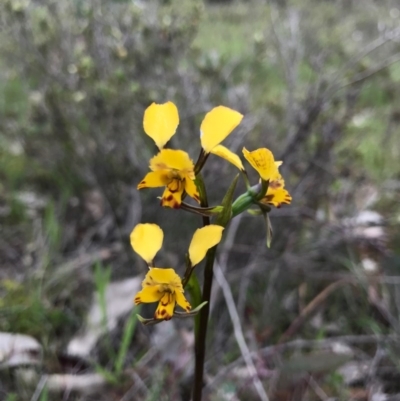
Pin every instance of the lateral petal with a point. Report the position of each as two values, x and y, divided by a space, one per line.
217 125
182 301
228 155
153 179
191 189
148 295
203 239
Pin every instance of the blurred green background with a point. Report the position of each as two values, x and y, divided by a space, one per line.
319 85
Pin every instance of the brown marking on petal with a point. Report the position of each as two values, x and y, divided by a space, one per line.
137 301
169 198
196 198
162 314
278 206
275 184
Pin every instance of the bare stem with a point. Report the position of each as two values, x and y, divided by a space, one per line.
201 333
200 344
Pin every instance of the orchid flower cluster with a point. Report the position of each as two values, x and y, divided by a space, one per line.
175 171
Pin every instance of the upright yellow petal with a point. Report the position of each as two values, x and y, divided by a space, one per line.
146 240
226 154
217 125
263 161
204 239
160 122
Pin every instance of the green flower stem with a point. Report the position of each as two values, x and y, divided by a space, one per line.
200 161
246 179
202 211
201 320
249 198
201 333
244 201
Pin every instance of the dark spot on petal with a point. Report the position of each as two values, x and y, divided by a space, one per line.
169 198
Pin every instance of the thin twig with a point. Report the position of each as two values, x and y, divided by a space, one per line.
317 389
225 252
302 343
311 307
238 332
39 388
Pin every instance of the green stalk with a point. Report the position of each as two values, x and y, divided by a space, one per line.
201 321
201 332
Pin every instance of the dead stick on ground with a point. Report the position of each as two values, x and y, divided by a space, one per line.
312 307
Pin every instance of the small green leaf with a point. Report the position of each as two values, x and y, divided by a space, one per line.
202 211
179 315
194 290
200 186
226 214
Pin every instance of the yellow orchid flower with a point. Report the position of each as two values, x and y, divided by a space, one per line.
262 160
174 170
276 194
163 285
